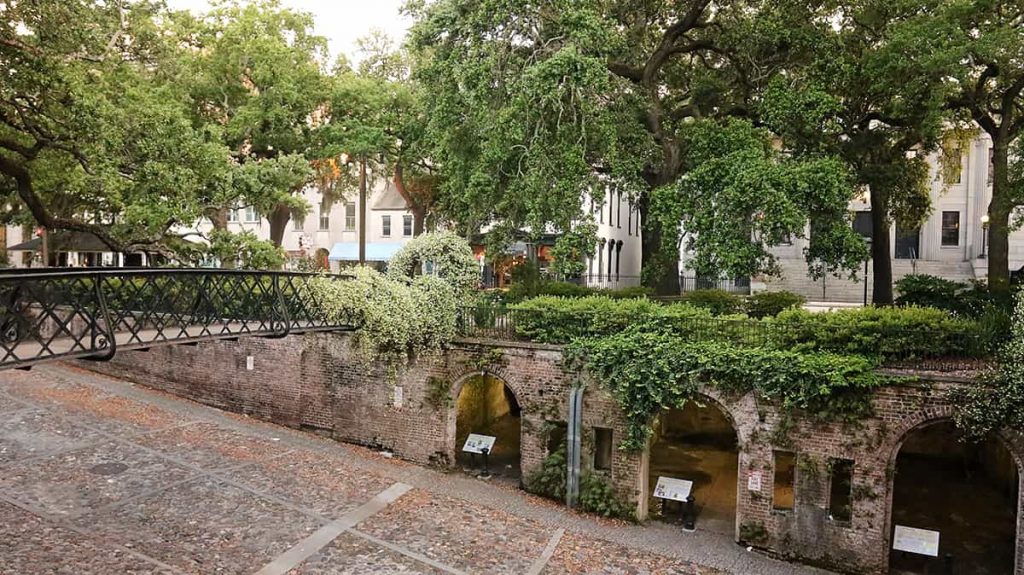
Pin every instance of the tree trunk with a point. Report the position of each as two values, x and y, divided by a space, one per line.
999 211
881 263
218 217
660 270
279 218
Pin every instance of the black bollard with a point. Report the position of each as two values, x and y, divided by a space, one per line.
949 563
689 514
485 472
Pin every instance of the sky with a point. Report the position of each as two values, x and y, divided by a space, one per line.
340 21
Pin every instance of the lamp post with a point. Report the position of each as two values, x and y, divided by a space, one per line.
867 240
984 236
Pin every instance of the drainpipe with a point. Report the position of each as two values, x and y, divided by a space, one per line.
573 437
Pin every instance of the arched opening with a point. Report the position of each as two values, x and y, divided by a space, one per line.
697 443
487 406
322 259
965 491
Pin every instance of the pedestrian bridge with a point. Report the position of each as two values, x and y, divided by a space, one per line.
58 313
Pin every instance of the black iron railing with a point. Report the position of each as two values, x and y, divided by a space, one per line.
897 348
60 313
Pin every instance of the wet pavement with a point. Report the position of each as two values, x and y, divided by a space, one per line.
101 476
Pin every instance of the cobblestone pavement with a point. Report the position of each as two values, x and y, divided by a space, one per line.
98 476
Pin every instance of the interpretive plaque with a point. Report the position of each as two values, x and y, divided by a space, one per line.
672 488
477 443
913 540
754 481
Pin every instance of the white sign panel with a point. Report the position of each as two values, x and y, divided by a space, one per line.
754 481
674 489
476 443
920 541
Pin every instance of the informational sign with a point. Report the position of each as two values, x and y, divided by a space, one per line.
672 488
399 396
913 540
754 481
250 363
477 443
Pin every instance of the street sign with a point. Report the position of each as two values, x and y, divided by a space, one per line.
476 443
674 489
913 540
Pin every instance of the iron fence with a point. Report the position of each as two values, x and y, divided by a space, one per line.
64 313
894 347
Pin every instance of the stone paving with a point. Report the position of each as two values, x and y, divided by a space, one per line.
100 476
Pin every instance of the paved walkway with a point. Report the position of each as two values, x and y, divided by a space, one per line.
100 476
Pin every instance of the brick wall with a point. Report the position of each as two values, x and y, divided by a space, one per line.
313 382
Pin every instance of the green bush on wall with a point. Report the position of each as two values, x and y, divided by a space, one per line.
717 301
548 319
772 303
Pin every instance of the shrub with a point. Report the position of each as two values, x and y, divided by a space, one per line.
597 497
923 290
628 292
564 289
772 303
548 319
717 301
906 332
548 480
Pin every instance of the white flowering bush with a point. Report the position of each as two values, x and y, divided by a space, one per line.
401 316
447 256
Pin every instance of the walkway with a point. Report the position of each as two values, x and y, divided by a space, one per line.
99 476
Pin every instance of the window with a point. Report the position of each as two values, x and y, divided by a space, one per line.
233 215
950 229
350 216
862 223
629 220
618 209
385 226
297 224
407 225
841 490
250 214
325 220
602 449
785 469
558 432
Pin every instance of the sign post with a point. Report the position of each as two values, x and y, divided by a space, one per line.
482 444
672 489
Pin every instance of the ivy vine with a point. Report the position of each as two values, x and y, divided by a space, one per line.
650 372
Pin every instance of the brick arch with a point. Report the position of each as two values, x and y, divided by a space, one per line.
456 388
1011 441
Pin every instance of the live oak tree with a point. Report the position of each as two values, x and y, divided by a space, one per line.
92 139
977 46
254 73
862 97
531 105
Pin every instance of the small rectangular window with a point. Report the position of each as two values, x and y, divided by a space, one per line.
385 225
350 216
233 215
325 220
950 229
407 225
862 223
558 432
602 448
297 224
785 471
841 490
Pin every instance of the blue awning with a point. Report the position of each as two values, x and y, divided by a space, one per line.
375 252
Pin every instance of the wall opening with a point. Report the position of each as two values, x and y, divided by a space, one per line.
602 449
967 492
697 443
840 493
782 486
487 406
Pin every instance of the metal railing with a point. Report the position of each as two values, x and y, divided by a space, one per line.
896 348
60 313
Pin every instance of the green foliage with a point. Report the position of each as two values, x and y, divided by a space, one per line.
882 332
716 301
525 290
244 250
438 394
966 300
997 401
440 254
598 497
924 290
548 319
398 318
548 480
772 303
648 372
572 249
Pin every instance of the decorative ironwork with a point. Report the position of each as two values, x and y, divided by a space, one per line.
54 313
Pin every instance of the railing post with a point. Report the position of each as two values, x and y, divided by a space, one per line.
111 335
285 316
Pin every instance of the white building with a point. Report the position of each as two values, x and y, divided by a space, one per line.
951 243
617 257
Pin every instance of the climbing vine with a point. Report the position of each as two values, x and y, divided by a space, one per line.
441 254
649 372
996 401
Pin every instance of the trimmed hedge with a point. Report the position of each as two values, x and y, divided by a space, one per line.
772 303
